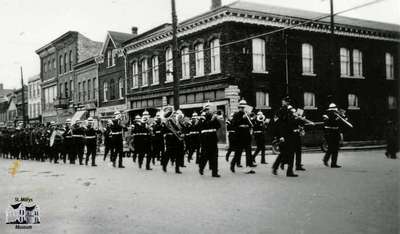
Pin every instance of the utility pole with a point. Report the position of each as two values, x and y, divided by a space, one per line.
23 98
332 56
175 55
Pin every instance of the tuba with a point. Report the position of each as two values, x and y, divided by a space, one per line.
169 118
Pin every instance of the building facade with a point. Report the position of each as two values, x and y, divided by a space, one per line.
112 74
57 73
34 99
86 79
230 53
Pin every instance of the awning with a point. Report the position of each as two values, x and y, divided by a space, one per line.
78 116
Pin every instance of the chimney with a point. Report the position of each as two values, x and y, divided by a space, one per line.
134 30
1 86
215 4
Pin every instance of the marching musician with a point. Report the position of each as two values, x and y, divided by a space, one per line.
67 143
172 139
209 142
107 140
183 129
232 138
259 136
141 140
157 139
91 142
332 135
242 125
193 143
299 132
78 134
117 140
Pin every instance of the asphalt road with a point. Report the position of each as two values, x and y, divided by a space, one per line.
362 197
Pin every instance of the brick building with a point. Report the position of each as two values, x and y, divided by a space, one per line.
265 68
86 94
34 99
111 73
57 60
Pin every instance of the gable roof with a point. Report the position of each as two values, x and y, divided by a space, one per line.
304 14
117 38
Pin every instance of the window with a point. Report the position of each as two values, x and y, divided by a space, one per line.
262 100
65 62
105 91
71 88
60 61
307 58
48 66
258 55
154 70
357 63
309 100
168 65
199 57
121 88
352 101
135 75
44 67
344 62
392 102
185 63
83 90
79 91
89 89
70 60
66 93
389 66
112 89
54 64
113 57
61 90
109 58
94 88
215 56
145 78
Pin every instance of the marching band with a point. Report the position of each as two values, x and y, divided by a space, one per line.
169 136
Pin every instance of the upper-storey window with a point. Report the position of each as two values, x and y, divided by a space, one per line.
65 62
70 60
215 56
110 58
357 63
344 62
185 63
121 88
105 91
154 70
309 100
389 62
169 65
307 58
258 55
145 78
135 75
199 57
60 64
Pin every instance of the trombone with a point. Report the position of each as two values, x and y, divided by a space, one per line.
342 118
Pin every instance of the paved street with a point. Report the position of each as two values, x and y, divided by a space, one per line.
362 197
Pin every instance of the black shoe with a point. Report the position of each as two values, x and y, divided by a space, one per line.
291 175
94 165
227 158
336 166
183 166
264 163
149 169
325 163
253 165
233 168
282 166
120 166
201 172
274 172
178 172
55 162
251 172
80 163
300 169
239 165
164 169
216 175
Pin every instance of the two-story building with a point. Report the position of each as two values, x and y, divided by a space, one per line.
57 60
112 73
235 52
34 99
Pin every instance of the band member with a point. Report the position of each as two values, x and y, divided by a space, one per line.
299 132
57 142
78 134
157 141
259 136
67 143
141 139
392 143
173 141
242 124
180 154
232 138
117 140
91 142
209 142
193 144
107 139
332 135
286 124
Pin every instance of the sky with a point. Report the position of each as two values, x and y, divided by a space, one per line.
27 25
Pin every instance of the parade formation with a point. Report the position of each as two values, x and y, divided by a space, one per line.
172 138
